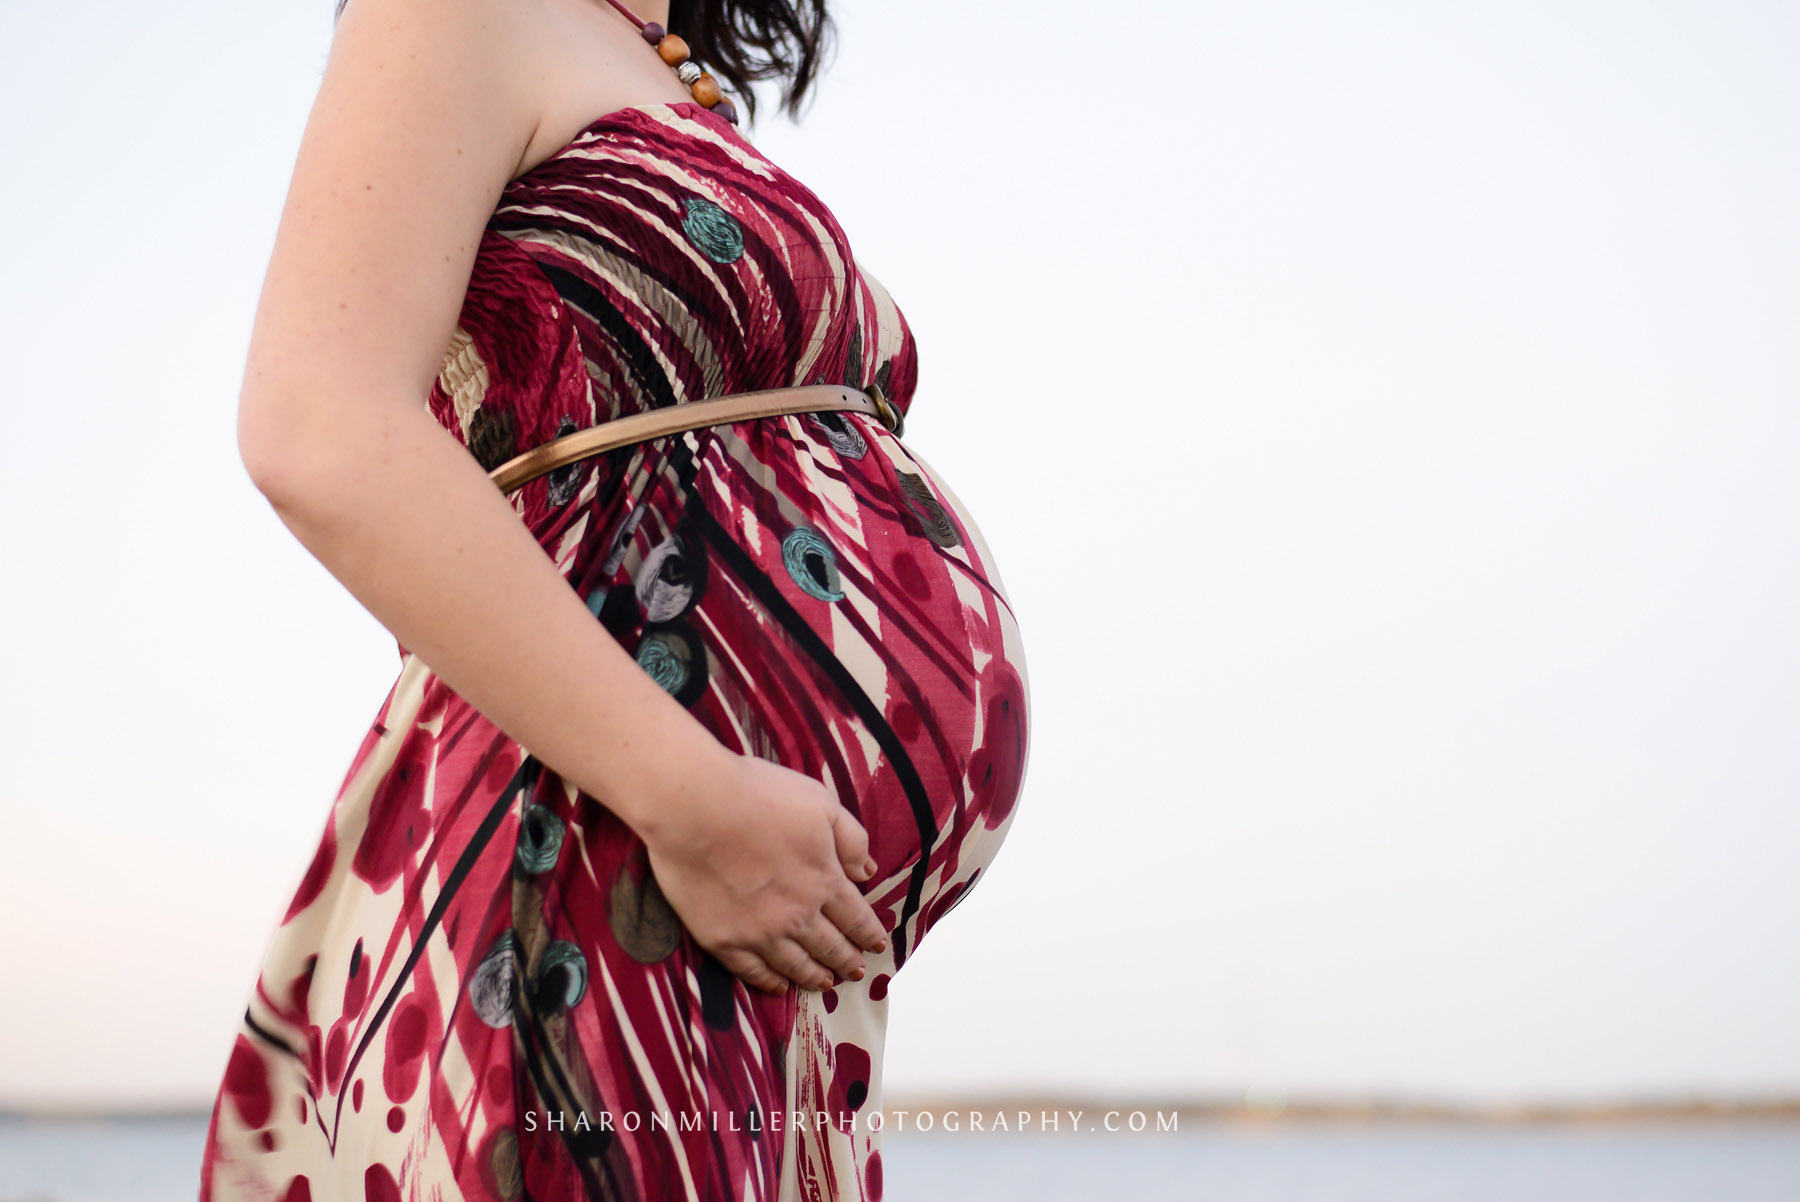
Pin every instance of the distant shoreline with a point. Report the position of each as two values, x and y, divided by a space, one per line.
991 1107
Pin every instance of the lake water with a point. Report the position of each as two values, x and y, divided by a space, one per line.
156 1160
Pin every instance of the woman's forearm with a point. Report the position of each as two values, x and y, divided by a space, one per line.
408 521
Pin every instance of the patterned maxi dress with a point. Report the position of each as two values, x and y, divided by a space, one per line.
478 991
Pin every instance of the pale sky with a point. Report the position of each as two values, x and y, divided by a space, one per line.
1384 419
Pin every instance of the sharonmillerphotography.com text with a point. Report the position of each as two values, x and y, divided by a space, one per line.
1034 1121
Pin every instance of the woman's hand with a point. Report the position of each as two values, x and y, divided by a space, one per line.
757 861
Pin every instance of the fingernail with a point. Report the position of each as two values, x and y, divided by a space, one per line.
869 866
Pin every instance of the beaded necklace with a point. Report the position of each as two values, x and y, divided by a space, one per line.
674 51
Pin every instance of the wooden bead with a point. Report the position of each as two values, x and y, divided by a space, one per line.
726 109
707 91
673 49
653 33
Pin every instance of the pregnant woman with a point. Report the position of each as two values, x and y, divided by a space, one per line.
696 734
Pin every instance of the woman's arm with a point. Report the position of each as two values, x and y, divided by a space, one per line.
422 116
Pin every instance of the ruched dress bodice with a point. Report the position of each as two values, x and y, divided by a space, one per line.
655 259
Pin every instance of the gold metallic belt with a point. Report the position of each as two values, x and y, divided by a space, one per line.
691 415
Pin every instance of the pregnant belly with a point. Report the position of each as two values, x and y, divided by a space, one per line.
818 596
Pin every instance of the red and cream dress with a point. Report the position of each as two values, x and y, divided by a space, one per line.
478 991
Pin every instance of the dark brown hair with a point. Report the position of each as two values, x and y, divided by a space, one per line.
741 41
744 40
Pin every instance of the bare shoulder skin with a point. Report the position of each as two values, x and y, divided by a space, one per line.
589 61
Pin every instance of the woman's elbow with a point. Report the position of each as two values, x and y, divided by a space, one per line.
285 442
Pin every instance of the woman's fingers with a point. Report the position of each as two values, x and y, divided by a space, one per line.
747 870
829 947
852 844
753 968
789 956
851 913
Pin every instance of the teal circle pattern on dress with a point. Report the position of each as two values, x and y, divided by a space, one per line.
675 657
709 227
812 563
540 839
562 977
667 658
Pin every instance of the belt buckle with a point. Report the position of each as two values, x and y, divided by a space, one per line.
885 410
